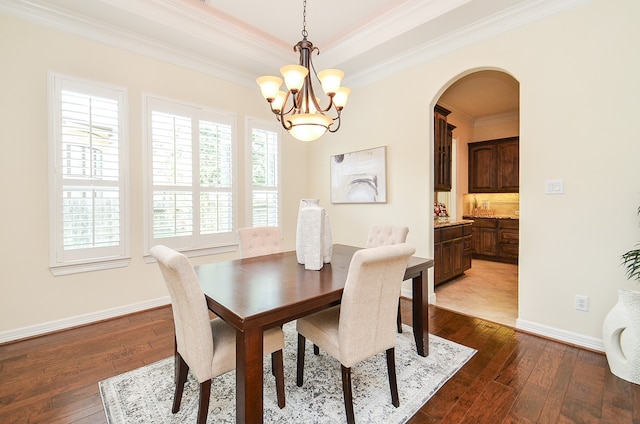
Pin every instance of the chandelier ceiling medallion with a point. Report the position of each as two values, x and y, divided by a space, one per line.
303 116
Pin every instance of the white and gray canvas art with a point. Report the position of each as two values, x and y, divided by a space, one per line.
359 177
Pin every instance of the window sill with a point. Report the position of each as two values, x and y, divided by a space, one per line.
193 253
77 268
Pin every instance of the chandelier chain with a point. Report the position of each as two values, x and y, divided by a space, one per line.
304 19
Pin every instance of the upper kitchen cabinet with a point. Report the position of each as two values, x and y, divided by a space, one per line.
494 166
443 139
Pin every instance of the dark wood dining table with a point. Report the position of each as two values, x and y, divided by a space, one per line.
255 294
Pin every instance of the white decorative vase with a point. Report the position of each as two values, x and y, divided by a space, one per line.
313 236
621 336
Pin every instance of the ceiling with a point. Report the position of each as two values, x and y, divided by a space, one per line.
238 40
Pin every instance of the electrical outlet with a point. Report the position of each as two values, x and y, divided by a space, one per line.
582 303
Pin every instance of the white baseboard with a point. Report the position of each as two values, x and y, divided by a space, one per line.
78 320
545 331
561 335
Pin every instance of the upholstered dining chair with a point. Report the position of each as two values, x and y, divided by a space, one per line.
258 241
203 346
363 324
384 235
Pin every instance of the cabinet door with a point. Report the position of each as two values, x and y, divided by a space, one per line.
442 150
451 258
508 169
482 162
467 249
485 241
457 252
494 166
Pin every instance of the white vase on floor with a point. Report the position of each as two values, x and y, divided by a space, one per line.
621 336
313 236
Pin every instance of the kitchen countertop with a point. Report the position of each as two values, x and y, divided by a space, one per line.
472 217
451 223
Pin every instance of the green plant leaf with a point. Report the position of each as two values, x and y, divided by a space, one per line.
631 260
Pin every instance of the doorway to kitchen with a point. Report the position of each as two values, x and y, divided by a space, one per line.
483 106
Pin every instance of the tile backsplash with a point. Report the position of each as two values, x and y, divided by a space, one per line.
500 203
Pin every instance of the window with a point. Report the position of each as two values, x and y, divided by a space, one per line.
265 174
88 196
190 155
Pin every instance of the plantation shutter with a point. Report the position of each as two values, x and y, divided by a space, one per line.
264 177
88 196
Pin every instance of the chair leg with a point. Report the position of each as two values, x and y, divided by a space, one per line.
399 319
300 361
393 382
181 370
203 404
277 363
348 396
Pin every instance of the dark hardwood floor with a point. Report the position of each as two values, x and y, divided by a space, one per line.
514 377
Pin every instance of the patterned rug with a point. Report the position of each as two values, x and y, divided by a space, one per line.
145 395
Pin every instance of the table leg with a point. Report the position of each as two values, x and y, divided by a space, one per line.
249 377
421 313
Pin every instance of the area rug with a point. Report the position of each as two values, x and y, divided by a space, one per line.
145 395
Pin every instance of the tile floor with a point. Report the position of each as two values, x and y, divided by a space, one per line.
489 290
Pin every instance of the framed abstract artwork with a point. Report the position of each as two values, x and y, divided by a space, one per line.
359 177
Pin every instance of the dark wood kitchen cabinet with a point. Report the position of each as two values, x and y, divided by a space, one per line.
443 140
508 239
496 239
494 166
485 237
452 251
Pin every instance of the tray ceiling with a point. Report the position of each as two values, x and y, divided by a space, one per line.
239 40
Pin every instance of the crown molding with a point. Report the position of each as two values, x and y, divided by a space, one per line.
195 38
500 118
206 37
507 20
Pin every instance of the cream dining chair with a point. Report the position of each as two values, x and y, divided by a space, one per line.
363 324
384 235
203 346
258 241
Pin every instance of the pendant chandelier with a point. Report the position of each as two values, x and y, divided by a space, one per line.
298 109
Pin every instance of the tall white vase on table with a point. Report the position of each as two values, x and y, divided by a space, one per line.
313 236
621 336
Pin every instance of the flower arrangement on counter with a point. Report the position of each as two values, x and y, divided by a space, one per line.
440 211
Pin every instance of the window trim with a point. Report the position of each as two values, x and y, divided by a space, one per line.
251 123
229 243
119 256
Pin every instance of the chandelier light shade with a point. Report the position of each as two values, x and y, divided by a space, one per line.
298 109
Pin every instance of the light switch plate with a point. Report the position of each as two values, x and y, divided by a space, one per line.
554 187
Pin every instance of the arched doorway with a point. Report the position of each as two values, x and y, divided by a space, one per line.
484 106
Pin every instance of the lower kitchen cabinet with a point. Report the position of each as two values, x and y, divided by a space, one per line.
496 239
485 237
452 251
508 239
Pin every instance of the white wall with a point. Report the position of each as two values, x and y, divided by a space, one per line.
29 294
578 74
579 91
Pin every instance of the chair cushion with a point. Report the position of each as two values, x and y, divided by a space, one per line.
322 329
224 349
